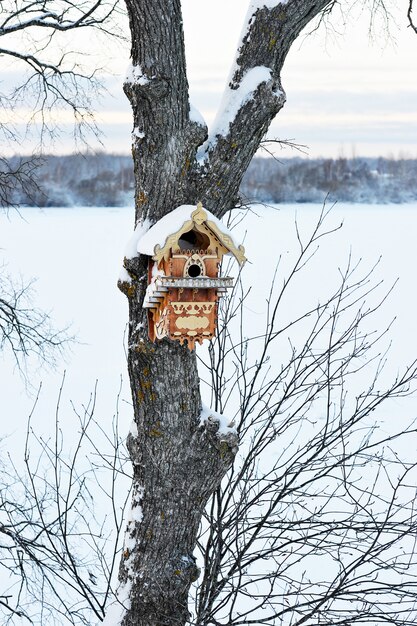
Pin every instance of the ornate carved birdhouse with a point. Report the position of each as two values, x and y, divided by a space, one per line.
186 248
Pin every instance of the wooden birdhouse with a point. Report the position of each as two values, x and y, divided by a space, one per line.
186 248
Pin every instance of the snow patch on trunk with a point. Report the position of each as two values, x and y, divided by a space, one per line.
136 76
117 609
195 116
124 276
133 430
226 425
121 603
134 517
131 250
138 134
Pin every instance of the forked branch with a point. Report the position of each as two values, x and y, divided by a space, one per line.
410 16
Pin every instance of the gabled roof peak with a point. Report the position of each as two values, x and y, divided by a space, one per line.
164 235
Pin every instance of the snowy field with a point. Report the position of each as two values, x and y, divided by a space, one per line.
76 255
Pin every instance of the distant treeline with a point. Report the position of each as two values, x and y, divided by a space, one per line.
107 180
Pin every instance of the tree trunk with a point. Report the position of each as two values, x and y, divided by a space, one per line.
177 461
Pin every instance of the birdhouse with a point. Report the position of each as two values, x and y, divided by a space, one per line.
185 250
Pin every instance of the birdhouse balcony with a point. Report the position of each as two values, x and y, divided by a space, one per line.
221 284
164 285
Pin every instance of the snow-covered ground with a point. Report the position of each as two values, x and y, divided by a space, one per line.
76 256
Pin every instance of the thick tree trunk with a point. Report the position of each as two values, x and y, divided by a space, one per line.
177 465
179 462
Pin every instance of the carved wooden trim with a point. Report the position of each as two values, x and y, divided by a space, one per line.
199 221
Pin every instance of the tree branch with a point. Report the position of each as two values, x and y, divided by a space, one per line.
410 17
59 79
157 87
59 19
252 99
24 330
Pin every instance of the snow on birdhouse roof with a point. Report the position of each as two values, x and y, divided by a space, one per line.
181 219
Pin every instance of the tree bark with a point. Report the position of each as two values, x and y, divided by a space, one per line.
177 461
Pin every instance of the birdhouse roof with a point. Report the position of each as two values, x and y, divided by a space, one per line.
163 235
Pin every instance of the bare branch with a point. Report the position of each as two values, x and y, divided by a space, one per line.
55 80
318 510
58 551
25 331
60 16
18 176
410 17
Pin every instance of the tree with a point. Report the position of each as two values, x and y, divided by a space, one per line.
313 523
49 76
48 79
178 464
317 511
58 552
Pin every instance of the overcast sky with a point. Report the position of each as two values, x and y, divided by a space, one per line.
345 93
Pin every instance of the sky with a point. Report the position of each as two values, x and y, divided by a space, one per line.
349 92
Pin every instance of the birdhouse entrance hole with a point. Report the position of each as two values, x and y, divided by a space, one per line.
194 267
194 270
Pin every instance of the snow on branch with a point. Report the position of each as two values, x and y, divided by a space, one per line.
253 97
136 76
254 7
60 16
196 117
223 424
233 101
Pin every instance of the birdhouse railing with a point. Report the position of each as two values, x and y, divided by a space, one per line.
159 287
202 282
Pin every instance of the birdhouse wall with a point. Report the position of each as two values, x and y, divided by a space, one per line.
186 315
208 263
